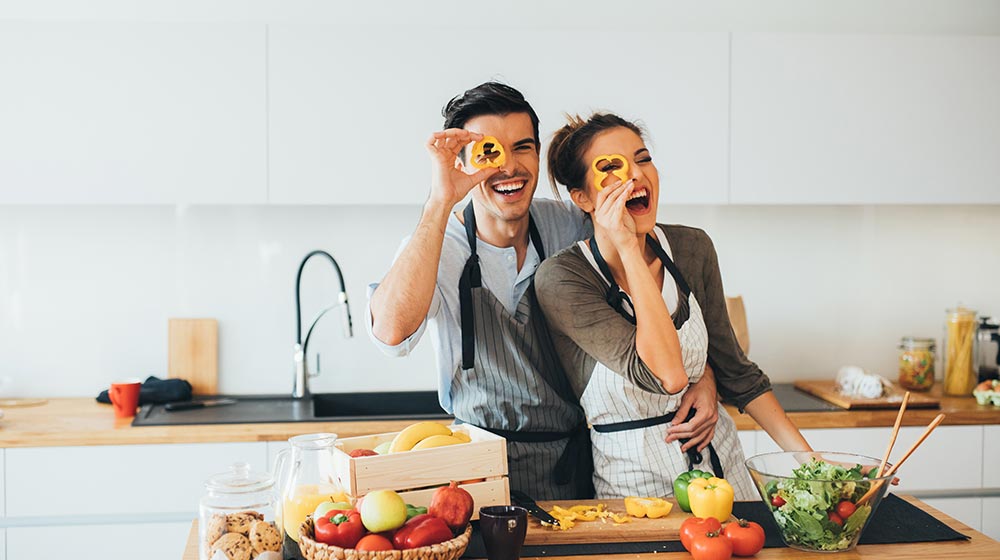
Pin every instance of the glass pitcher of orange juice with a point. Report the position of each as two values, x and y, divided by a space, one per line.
306 478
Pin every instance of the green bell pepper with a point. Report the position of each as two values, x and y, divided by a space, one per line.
413 511
681 487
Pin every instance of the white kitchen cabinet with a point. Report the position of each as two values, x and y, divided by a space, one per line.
152 541
966 510
922 470
991 456
748 439
118 480
351 106
991 517
865 119
95 113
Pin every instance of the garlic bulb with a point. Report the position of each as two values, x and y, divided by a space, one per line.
854 381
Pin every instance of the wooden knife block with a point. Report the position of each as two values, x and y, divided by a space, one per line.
193 353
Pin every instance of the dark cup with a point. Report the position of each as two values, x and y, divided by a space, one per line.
503 529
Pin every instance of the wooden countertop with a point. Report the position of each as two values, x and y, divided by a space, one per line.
82 421
980 546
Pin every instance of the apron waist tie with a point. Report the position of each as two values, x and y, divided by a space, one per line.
694 457
575 465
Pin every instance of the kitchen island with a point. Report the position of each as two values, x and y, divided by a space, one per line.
979 546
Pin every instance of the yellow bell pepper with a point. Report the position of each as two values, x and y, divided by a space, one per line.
609 164
653 508
711 497
488 152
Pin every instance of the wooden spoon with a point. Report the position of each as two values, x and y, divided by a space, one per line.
930 428
895 432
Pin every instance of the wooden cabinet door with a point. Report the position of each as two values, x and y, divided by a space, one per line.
136 113
352 106
865 119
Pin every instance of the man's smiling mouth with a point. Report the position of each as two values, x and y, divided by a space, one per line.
508 187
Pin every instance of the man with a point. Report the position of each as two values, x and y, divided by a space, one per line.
468 276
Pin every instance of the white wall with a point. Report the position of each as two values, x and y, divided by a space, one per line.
85 292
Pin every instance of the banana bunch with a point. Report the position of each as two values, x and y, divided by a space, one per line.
425 435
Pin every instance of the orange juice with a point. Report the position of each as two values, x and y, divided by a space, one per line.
303 502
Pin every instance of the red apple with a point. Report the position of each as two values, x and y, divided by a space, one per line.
453 505
362 453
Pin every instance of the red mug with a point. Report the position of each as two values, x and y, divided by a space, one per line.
124 396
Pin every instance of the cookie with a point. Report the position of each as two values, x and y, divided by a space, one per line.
215 529
264 537
242 521
234 545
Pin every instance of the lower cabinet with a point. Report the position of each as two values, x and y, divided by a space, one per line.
152 541
966 510
991 517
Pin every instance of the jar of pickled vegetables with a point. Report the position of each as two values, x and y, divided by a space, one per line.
959 352
916 363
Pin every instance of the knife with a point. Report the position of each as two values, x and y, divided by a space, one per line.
526 501
191 405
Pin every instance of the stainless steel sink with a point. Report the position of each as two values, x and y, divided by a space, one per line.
255 409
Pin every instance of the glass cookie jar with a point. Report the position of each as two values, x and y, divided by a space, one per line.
236 517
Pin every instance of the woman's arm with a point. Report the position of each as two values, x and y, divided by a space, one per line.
766 410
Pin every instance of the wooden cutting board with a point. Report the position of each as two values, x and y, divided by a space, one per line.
827 390
637 530
193 353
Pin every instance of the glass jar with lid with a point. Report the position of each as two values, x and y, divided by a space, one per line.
236 517
916 363
959 352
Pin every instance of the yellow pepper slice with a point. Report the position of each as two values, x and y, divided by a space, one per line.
609 164
653 508
711 497
488 152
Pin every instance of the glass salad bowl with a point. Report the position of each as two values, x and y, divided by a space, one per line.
821 501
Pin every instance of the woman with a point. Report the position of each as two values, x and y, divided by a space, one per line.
637 314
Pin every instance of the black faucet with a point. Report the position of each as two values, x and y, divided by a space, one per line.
300 383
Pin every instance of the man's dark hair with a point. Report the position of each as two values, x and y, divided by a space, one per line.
490 98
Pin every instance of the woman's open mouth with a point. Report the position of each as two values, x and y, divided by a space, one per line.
638 201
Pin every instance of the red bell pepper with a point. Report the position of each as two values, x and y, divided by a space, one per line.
422 530
341 528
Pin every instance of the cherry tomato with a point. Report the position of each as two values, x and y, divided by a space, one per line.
845 509
747 537
834 518
711 546
777 501
695 526
373 542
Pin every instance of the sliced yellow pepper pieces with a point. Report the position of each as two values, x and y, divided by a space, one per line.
653 508
488 152
609 164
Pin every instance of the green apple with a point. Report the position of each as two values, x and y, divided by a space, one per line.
330 506
382 510
383 448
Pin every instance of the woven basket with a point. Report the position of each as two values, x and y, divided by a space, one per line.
447 550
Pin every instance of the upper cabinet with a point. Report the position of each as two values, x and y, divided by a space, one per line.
865 119
351 107
132 113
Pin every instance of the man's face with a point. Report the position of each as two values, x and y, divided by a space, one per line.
507 194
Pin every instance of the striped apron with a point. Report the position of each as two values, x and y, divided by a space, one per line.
630 424
512 383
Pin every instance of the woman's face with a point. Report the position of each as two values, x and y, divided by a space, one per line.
645 194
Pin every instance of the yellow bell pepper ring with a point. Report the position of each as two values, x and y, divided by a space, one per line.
488 152
711 497
609 164
653 508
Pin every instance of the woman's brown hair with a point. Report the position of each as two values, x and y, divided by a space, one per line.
565 157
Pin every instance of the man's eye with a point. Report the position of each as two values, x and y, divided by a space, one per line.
523 148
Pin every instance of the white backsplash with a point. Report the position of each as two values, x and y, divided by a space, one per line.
85 292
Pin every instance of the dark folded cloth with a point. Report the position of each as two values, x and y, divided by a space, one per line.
157 391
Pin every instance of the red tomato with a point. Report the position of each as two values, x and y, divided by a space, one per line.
695 526
711 546
845 509
834 518
373 542
777 501
747 537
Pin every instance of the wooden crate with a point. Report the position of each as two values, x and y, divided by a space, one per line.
480 466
